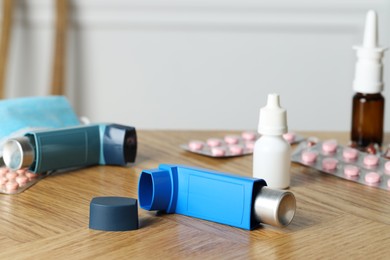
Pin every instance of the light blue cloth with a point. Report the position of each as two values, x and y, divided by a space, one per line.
20 115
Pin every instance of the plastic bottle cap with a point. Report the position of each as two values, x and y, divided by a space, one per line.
18 153
273 118
274 207
113 214
368 70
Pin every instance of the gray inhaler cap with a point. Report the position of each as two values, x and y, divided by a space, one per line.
113 214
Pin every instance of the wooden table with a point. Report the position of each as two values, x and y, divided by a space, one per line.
334 219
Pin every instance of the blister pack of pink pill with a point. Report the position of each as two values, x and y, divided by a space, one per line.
12 182
344 162
231 145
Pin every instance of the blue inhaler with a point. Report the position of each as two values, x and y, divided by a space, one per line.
42 151
233 200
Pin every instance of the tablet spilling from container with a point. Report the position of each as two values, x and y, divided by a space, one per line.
12 182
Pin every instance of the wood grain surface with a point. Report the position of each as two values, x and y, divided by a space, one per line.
335 219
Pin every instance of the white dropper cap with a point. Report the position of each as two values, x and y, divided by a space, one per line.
368 70
273 118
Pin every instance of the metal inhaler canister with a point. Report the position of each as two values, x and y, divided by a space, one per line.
233 200
79 146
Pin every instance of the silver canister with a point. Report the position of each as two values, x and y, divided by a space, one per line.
274 207
18 153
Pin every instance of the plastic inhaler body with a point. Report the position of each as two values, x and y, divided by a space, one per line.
368 104
233 200
43 151
271 154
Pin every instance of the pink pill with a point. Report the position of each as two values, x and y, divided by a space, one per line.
195 145
289 137
387 166
250 146
21 171
249 136
351 170
236 149
329 164
232 139
371 160
11 175
372 177
329 146
309 156
213 142
22 180
3 171
31 175
3 180
218 151
11 186
350 153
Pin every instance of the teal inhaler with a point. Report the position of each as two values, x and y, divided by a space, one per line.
80 146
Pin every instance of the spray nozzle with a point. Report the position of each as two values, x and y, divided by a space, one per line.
371 30
370 40
368 72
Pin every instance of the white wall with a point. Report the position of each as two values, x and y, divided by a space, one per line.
200 64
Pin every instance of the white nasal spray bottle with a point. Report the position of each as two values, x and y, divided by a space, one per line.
271 155
368 103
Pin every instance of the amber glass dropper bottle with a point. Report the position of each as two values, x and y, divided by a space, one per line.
368 104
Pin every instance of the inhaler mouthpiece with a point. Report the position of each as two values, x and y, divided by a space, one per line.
273 118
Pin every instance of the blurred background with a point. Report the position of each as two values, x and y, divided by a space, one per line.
198 64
